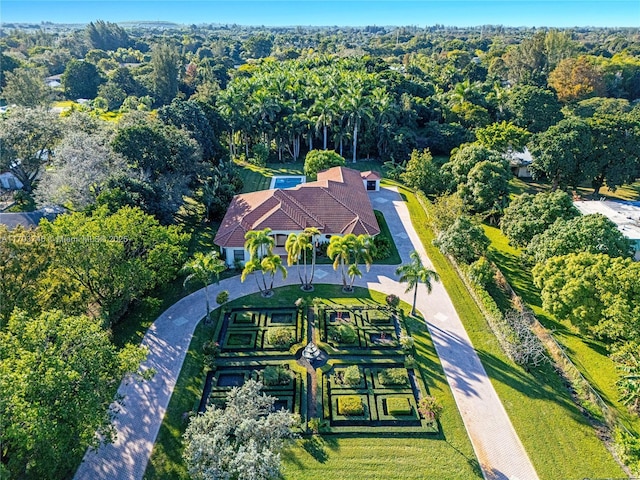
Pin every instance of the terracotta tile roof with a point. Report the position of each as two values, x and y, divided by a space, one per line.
337 203
370 175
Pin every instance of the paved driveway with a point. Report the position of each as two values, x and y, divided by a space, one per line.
498 448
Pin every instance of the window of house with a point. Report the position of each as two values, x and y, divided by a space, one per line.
238 255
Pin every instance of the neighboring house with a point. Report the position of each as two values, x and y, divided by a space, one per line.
336 204
29 219
520 163
8 181
53 81
626 215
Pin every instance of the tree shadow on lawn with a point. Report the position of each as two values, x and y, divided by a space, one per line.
541 382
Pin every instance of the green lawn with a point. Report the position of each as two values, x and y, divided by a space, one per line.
589 355
557 437
518 186
447 456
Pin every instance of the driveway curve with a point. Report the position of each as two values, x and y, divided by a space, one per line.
497 447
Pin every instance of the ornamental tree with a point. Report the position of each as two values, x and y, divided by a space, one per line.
241 441
318 160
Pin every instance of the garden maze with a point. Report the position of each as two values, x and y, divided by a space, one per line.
366 381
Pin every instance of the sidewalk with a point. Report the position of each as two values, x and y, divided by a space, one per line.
498 448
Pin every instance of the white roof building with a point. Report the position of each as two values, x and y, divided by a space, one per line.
626 215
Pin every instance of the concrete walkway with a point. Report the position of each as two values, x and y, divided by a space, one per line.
498 448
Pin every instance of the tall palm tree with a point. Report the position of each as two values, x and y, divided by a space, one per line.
356 108
259 243
340 250
297 246
414 273
203 268
271 265
323 112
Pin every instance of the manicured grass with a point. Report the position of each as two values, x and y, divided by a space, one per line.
394 257
589 355
518 186
549 424
445 456
259 178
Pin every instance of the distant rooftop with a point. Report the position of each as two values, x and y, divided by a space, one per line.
626 215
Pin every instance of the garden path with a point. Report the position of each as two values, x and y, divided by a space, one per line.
497 446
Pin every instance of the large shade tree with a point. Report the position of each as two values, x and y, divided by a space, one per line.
241 441
58 374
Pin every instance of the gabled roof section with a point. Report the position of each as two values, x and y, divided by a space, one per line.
337 203
370 175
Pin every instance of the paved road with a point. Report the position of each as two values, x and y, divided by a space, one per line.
498 448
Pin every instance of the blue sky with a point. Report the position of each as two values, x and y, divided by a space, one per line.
550 13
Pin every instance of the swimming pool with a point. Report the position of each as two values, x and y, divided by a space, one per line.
287 181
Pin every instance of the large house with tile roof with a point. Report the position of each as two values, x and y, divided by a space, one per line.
336 203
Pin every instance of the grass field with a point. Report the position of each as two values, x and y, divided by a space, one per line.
589 355
445 456
625 192
557 437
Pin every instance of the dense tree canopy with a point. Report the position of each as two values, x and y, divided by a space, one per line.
563 153
528 215
464 240
596 292
107 260
593 233
241 441
81 80
57 378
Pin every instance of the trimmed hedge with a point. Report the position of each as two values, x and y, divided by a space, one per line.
350 405
398 406
393 376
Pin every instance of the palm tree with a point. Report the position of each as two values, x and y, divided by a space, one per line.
357 108
323 111
415 272
271 265
297 246
203 268
259 243
340 250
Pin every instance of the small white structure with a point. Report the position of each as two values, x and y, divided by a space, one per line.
626 215
520 163
371 180
8 181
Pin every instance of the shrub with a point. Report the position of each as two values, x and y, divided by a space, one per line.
315 424
259 155
381 247
430 408
222 297
398 406
393 376
352 375
350 405
344 334
407 342
211 348
276 375
280 337
481 272
393 300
